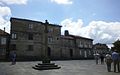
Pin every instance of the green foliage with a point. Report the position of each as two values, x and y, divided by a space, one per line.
116 46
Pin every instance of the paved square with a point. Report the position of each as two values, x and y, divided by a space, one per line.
69 67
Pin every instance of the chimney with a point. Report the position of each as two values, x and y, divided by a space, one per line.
66 33
46 21
4 29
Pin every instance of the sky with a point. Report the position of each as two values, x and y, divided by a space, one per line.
95 19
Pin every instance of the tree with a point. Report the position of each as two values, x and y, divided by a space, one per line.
116 46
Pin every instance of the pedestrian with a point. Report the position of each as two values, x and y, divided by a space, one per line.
119 61
102 58
13 57
96 57
115 58
108 60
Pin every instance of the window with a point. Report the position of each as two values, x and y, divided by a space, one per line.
80 52
30 26
2 51
50 39
50 30
14 36
3 40
30 47
89 52
85 54
30 36
85 45
80 44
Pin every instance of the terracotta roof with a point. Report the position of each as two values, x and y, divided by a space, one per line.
3 32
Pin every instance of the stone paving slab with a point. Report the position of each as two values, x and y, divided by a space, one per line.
71 67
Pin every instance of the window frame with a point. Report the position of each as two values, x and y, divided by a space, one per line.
14 36
30 26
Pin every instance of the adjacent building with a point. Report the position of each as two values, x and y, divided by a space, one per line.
28 40
4 44
100 48
76 47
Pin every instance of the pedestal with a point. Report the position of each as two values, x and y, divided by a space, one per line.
46 66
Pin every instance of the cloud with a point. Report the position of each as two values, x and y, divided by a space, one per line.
62 1
5 12
100 31
14 1
68 24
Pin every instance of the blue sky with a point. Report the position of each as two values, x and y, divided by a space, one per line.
96 19
88 10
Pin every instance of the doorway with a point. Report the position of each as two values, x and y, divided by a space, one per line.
71 53
49 52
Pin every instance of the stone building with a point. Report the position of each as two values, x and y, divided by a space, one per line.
67 47
4 44
100 48
76 47
84 45
28 40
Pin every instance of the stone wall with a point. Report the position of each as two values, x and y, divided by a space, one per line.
28 38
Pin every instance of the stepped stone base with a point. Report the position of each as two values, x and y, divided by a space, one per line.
46 66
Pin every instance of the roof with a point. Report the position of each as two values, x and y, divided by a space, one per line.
79 37
74 37
12 18
99 44
3 32
67 37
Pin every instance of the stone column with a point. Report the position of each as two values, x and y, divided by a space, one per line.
46 58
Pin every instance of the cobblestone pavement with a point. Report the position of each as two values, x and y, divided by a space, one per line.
70 67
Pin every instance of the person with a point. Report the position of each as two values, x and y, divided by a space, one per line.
119 61
13 57
96 57
108 60
115 58
102 58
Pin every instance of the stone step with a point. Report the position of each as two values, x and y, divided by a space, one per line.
46 68
46 65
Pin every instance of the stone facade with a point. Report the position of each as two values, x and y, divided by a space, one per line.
28 40
67 47
4 44
76 47
100 48
85 47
